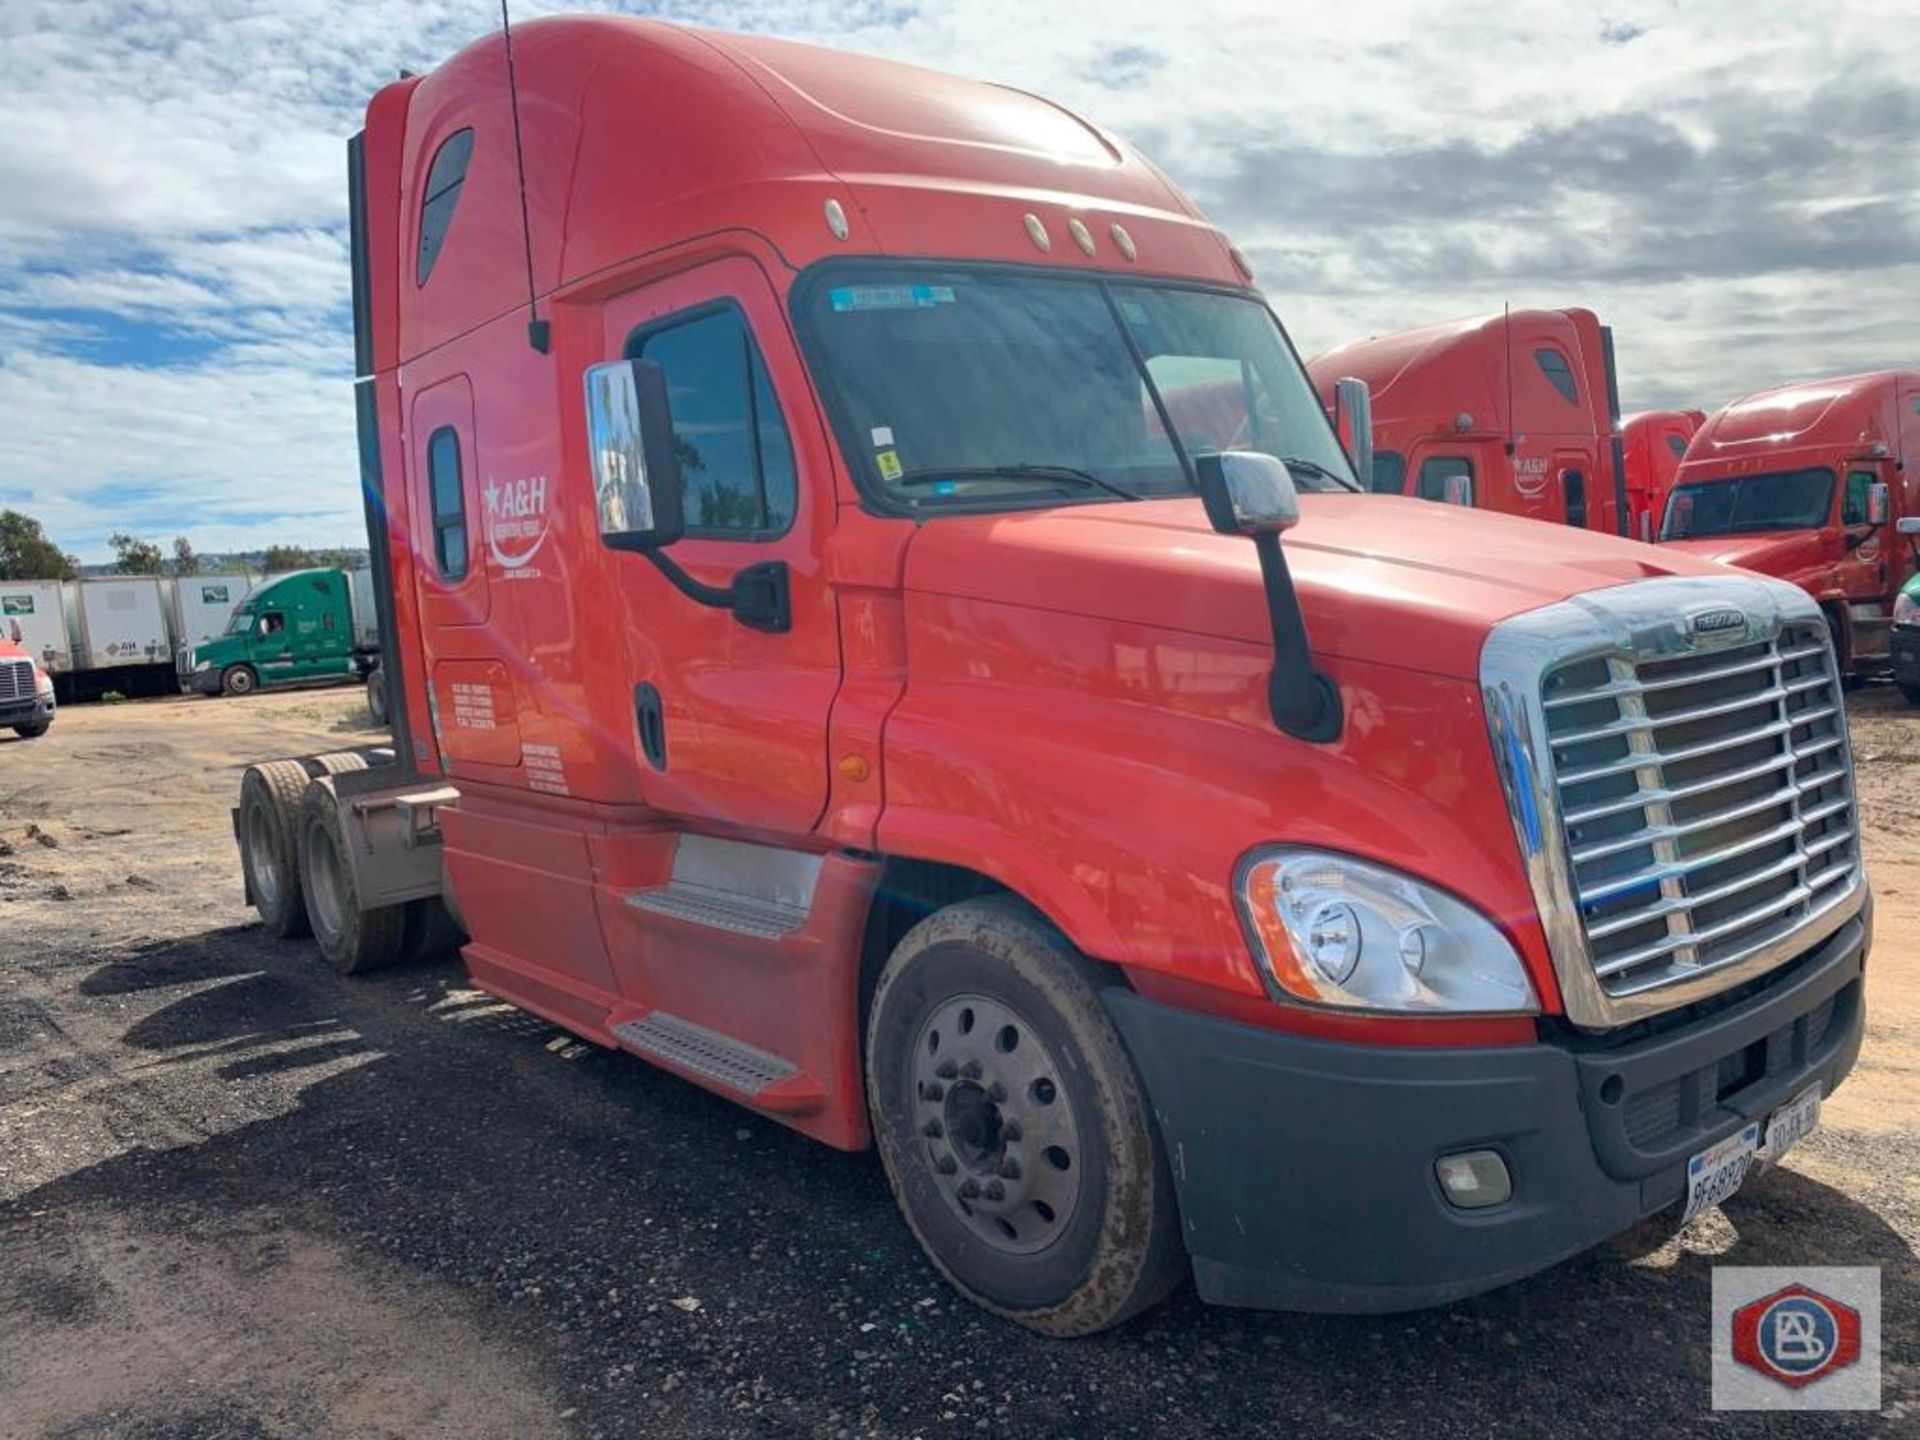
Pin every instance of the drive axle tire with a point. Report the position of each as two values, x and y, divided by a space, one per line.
335 762
238 680
355 940
270 797
1013 1127
377 695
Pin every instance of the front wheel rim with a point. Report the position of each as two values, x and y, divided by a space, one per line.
993 1124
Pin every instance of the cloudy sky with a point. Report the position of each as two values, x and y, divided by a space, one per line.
1735 187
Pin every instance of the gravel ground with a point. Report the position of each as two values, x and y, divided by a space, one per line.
240 1196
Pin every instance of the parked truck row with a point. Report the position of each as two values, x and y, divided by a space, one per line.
1814 482
880 624
230 631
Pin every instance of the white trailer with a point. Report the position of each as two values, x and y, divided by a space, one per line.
118 622
203 604
33 616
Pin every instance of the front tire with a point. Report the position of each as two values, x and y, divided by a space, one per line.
1013 1128
33 730
238 680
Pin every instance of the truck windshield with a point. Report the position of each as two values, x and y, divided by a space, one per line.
242 618
990 389
1778 500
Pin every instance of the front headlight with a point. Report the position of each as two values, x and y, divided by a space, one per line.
1332 930
1906 608
202 665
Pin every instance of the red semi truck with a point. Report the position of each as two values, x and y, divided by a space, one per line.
1817 483
1512 412
1653 443
824 665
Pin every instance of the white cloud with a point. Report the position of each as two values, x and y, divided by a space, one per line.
177 166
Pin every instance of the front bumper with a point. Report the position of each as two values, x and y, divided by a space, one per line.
26 712
204 682
1305 1167
1905 645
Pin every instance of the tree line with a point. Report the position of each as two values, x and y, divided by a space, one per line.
27 554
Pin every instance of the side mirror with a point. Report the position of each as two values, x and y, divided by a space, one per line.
636 471
1247 492
1878 503
1353 423
1459 491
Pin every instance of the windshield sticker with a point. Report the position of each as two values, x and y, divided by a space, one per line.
889 463
888 297
882 436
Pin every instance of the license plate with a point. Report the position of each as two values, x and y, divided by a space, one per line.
1791 1124
1716 1172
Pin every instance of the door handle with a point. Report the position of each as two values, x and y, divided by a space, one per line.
652 720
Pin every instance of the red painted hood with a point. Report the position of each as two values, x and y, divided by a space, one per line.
1382 578
1788 554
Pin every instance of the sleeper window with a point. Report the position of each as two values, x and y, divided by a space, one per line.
1559 374
736 459
449 503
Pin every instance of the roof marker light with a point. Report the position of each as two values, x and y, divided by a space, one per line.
1123 239
1082 236
1038 232
836 219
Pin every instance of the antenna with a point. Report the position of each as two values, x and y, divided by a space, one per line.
539 332
1506 331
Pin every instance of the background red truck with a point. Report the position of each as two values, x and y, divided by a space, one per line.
834 658
1809 482
1512 412
1653 442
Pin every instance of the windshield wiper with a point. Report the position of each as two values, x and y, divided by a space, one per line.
1312 467
1039 474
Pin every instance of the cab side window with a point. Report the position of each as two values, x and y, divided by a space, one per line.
1559 374
1444 473
449 504
1678 445
1854 509
272 623
445 177
1389 472
736 458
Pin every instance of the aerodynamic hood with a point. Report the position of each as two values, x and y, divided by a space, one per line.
1382 578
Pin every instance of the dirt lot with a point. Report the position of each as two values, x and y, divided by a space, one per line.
241 1197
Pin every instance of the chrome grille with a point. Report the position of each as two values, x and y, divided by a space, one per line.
1705 799
16 680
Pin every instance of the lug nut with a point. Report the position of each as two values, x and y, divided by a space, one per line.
1010 1132
996 1191
933 1090
1009 1168
971 1070
946 1070
970 1189
998 1092
934 1130
946 1164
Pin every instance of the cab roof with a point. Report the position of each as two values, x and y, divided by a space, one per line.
639 135
1849 410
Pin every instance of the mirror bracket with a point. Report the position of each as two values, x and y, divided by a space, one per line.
760 597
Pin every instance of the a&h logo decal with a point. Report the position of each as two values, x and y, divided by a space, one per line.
516 523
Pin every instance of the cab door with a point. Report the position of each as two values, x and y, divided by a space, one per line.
730 722
1863 568
272 644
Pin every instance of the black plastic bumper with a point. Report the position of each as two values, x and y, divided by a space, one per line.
1305 1168
26 712
1905 646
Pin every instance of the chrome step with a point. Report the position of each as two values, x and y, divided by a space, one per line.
704 1052
752 915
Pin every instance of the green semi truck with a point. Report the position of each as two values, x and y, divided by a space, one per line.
310 625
